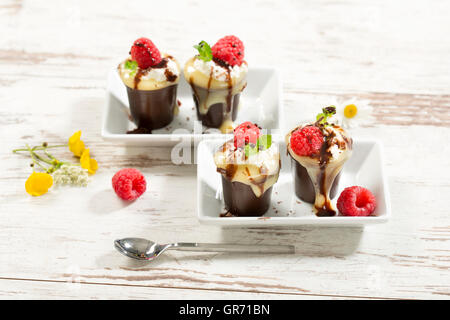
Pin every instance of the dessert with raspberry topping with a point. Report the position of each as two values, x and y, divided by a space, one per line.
249 164
318 152
217 76
151 79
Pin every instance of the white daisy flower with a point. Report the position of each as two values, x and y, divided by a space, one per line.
353 113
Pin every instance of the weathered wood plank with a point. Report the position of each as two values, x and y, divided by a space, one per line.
53 66
38 289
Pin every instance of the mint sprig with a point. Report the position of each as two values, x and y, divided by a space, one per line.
327 112
132 66
204 51
263 143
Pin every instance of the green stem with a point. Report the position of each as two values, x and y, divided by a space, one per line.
49 155
35 161
40 148
40 158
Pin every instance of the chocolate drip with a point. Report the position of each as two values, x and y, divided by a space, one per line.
326 210
229 171
222 63
217 113
170 76
230 92
160 65
304 187
138 77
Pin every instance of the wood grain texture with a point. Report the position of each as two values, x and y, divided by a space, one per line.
391 56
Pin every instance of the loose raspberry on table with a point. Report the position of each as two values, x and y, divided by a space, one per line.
246 133
145 53
306 141
129 184
356 201
230 50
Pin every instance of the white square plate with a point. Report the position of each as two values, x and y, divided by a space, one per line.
364 168
261 104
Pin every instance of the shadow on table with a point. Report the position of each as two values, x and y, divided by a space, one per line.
309 241
106 201
317 241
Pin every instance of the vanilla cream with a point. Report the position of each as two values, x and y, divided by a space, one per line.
260 171
151 78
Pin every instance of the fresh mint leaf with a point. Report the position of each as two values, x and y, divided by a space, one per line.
327 112
132 66
204 51
264 142
320 117
250 149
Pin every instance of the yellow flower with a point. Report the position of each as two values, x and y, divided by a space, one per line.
76 145
38 183
87 163
350 111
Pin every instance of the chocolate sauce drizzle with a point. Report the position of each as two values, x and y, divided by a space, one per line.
324 157
229 97
231 168
170 77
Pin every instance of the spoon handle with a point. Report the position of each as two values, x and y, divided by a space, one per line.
220 247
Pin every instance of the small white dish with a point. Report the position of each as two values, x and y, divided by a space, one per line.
260 103
364 168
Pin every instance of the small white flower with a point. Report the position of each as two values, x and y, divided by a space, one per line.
71 175
353 113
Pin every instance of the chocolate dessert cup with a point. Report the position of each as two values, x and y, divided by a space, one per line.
152 92
217 113
316 176
216 93
152 109
240 200
247 177
304 187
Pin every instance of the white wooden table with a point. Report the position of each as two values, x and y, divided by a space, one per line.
54 58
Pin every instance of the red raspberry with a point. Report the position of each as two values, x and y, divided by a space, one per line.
246 133
129 184
229 49
145 53
306 141
356 201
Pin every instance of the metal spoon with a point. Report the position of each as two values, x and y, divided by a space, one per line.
143 249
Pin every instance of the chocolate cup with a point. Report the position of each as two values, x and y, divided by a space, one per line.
240 200
304 187
152 109
215 115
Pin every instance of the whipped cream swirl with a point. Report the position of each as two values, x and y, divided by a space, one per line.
216 71
259 171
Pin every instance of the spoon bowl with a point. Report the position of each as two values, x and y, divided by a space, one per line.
140 249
